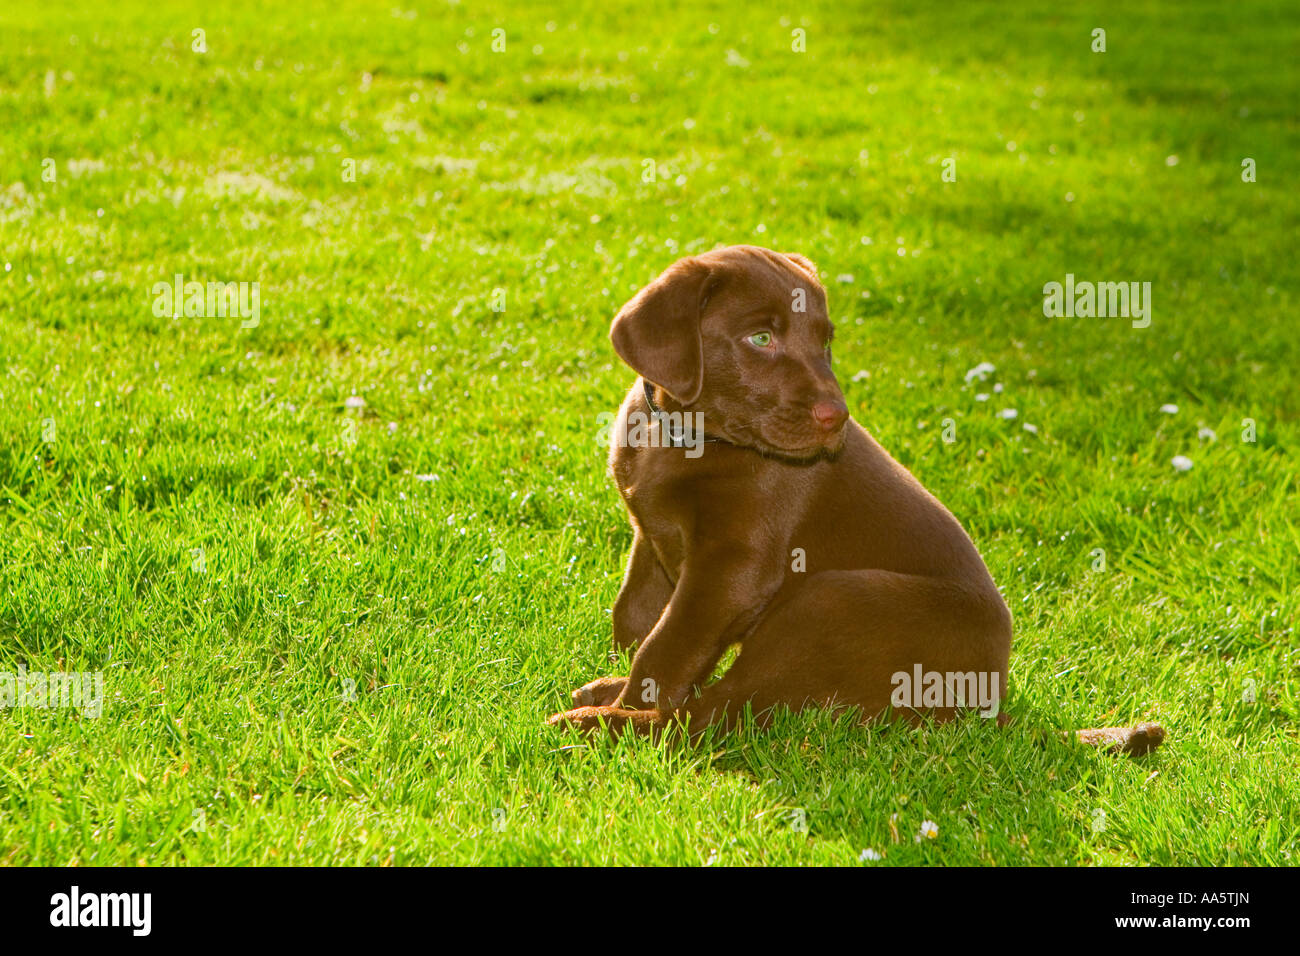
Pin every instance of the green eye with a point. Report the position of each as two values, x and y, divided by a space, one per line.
760 339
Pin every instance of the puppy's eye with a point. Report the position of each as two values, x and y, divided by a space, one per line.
760 339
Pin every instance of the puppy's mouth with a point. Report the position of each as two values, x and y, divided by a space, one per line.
828 445
803 446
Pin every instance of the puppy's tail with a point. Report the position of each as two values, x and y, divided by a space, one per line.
1134 741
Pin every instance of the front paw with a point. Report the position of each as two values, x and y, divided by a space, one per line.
582 719
614 720
599 693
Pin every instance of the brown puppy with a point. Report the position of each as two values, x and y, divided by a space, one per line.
765 516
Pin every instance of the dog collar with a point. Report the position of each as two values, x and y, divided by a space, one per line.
675 439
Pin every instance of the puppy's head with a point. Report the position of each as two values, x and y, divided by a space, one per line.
741 335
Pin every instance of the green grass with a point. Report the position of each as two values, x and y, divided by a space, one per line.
463 607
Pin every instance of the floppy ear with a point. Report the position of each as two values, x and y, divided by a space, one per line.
658 332
803 263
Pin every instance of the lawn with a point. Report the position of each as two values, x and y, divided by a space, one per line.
337 565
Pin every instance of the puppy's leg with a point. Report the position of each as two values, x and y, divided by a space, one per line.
645 593
708 612
699 623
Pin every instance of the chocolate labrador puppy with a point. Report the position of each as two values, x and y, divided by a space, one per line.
765 516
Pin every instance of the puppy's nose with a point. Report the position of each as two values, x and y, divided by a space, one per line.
830 415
